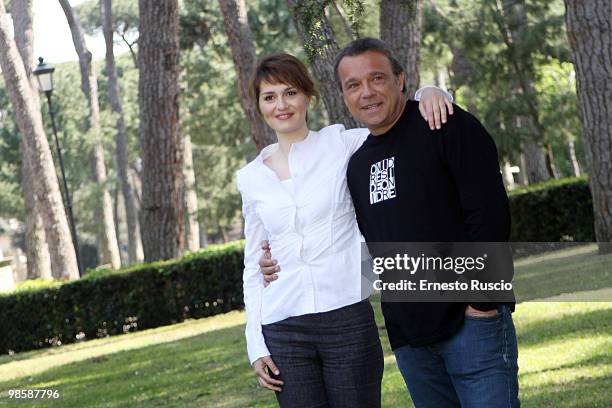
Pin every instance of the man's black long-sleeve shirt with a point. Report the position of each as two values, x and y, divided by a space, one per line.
412 184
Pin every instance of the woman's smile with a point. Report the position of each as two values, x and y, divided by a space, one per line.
284 116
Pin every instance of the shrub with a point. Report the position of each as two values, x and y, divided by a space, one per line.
104 303
560 210
33 284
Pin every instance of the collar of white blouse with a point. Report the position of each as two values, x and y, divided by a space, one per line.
294 162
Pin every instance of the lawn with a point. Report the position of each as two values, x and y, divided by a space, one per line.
565 358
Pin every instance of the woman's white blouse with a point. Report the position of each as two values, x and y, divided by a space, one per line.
313 232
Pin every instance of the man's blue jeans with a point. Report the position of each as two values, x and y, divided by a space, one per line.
475 368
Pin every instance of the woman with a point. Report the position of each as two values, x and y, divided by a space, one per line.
311 336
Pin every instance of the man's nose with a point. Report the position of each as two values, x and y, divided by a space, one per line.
367 91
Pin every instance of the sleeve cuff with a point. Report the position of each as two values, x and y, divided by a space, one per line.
256 344
419 93
255 353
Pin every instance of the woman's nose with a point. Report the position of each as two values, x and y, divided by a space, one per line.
280 103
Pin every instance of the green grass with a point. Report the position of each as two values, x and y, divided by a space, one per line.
565 359
567 271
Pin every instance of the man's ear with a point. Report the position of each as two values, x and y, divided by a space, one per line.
344 98
402 79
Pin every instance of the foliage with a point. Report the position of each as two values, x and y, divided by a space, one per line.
355 11
312 13
125 16
106 303
559 110
560 210
485 68
210 110
272 28
125 19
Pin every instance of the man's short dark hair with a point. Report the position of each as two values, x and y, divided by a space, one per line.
362 45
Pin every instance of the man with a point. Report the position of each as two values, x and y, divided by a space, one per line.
441 185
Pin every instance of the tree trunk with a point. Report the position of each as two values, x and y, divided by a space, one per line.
535 162
243 53
400 27
36 249
321 47
161 145
571 154
120 222
203 235
89 86
589 29
190 198
134 241
136 183
507 176
192 228
550 161
29 121
523 178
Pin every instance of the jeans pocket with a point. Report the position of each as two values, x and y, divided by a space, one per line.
494 318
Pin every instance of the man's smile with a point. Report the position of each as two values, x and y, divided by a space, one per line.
372 106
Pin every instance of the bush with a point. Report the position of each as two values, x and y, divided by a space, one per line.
104 303
33 284
560 210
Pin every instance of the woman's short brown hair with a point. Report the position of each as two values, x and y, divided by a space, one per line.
284 69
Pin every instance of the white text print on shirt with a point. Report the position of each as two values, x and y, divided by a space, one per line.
382 180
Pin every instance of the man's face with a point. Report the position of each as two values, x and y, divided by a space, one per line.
371 91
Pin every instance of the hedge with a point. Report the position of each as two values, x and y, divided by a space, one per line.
209 282
560 210
107 303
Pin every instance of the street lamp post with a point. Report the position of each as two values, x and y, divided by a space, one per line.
44 74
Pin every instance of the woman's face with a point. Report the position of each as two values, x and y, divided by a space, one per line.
283 107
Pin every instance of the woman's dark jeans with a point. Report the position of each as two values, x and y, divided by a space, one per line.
332 359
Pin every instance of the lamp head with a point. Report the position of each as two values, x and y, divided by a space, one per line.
44 74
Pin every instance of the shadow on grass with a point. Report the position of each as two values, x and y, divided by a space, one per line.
598 360
578 324
579 393
555 277
198 371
